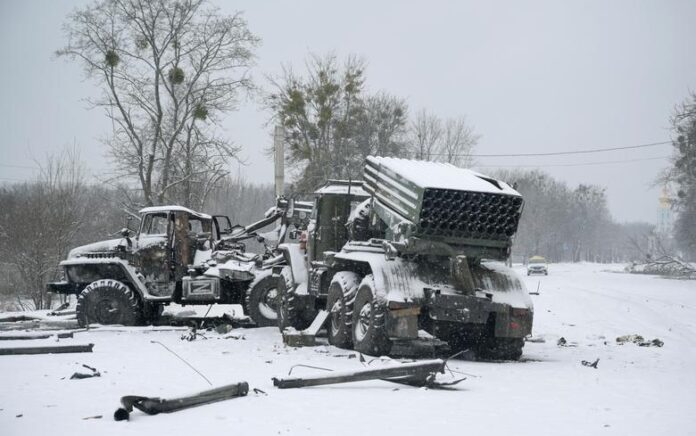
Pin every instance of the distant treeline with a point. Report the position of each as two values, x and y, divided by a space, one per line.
567 224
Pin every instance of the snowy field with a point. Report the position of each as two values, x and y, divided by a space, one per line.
633 391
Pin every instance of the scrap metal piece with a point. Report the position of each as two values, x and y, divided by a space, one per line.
54 349
154 405
307 337
30 336
82 375
590 364
415 373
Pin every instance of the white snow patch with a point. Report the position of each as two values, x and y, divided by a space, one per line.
634 391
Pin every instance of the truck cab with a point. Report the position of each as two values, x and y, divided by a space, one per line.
127 280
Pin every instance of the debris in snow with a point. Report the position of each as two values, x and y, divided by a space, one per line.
31 336
299 365
590 364
81 375
666 266
307 337
562 342
17 318
192 335
538 340
183 360
235 337
654 343
421 374
154 405
55 349
92 417
59 310
639 340
629 338
223 329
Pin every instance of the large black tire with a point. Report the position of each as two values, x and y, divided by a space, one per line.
108 302
342 291
501 348
291 312
262 300
370 321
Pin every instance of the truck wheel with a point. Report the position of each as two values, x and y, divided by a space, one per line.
290 313
108 302
369 321
262 300
342 290
501 348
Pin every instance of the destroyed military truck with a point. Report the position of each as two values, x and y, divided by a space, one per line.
417 247
176 256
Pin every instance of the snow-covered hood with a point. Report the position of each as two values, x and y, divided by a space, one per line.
232 270
95 247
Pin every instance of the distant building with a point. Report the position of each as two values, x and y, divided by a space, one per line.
665 219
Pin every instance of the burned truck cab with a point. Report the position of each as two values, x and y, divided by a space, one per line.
167 243
333 204
127 280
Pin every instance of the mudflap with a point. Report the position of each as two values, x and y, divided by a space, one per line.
513 323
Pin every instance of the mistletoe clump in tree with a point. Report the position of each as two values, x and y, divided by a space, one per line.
168 71
332 123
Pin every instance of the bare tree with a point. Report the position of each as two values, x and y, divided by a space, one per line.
39 223
168 71
426 133
433 139
380 129
458 141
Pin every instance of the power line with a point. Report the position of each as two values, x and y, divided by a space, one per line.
19 166
575 164
14 180
561 153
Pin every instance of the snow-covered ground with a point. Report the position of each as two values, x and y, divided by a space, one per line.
633 391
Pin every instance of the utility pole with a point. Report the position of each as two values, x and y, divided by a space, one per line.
279 160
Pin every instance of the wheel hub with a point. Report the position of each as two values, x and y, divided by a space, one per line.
364 321
336 322
269 303
106 311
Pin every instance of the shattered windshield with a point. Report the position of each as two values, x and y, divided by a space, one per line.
155 225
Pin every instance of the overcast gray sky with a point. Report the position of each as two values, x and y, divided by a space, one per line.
536 76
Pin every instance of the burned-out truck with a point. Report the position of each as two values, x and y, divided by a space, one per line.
416 249
176 255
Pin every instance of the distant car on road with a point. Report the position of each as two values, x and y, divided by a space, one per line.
537 265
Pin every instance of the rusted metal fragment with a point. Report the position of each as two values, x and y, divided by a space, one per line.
30 336
54 349
414 373
154 405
